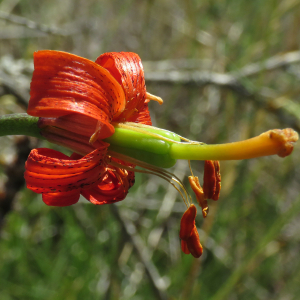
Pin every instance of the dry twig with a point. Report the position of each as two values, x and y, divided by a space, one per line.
11 87
33 25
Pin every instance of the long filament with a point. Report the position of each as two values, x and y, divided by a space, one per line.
155 171
191 168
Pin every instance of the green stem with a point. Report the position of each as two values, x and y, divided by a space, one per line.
19 124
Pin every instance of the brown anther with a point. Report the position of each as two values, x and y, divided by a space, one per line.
211 180
190 242
218 180
193 244
196 187
184 247
187 222
154 98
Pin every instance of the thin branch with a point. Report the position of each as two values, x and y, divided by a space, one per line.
11 87
272 63
233 82
170 71
200 78
33 25
177 64
14 33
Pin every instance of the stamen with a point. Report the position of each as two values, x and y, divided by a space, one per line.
190 242
196 187
154 98
168 179
211 184
218 181
209 179
194 244
191 168
187 222
120 175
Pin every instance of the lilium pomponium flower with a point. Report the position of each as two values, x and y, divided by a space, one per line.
100 111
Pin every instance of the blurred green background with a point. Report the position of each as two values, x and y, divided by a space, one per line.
227 70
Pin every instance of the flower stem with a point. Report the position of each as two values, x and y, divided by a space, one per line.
20 124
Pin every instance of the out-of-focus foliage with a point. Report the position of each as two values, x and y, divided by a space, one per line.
131 250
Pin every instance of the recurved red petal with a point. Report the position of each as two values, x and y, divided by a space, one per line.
128 70
49 171
61 199
64 83
112 188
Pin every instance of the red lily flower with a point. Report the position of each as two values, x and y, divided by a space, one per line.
80 103
74 95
